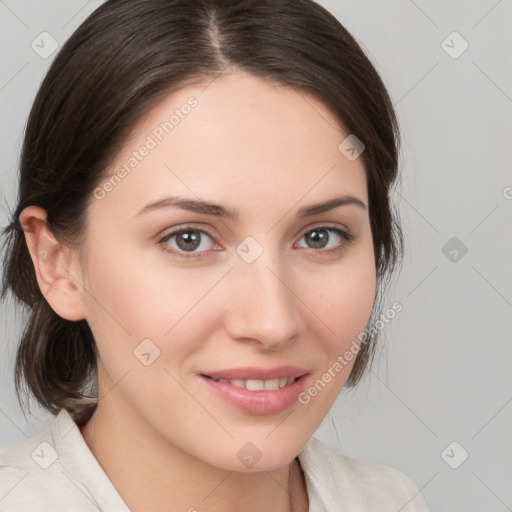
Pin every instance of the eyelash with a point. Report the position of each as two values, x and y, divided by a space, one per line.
347 239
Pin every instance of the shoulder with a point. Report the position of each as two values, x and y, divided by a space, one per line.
33 478
29 455
357 484
22 473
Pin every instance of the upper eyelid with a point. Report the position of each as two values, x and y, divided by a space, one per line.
174 231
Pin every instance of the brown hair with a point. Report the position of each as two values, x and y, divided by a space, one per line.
121 61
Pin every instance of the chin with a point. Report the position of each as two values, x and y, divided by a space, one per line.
255 453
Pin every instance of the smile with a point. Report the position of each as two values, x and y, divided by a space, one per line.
257 396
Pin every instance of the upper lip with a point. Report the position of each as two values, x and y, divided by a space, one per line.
249 372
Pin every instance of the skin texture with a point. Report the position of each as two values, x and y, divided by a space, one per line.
159 433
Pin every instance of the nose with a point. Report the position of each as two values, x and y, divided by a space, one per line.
263 306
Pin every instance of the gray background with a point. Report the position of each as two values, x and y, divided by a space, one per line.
444 374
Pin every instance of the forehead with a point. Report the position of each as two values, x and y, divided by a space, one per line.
236 139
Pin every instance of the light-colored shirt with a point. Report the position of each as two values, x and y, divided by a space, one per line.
56 471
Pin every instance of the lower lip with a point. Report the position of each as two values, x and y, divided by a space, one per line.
257 402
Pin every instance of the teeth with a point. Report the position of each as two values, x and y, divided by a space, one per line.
271 384
259 385
255 385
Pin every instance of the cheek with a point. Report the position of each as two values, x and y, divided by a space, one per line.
344 308
127 294
352 301
344 298
128 302
342 311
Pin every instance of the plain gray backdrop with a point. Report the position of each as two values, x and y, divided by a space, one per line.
438 402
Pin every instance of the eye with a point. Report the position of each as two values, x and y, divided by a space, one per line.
187 240
190 242
319 238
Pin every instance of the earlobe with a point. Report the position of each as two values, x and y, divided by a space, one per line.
55 265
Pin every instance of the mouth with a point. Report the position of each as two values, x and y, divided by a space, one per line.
256 391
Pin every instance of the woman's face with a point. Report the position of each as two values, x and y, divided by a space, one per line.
265 287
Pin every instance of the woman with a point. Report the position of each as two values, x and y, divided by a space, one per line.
202 237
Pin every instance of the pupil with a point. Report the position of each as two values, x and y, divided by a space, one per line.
318 237
190 239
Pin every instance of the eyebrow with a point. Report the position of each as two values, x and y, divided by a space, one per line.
217 210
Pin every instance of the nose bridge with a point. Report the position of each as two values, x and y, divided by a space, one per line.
264 308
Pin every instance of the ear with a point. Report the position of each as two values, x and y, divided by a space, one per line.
57 268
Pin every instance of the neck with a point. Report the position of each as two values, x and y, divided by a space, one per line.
150 473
